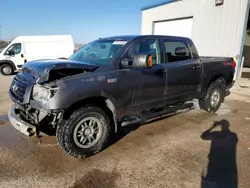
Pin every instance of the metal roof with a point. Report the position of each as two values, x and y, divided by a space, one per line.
158 4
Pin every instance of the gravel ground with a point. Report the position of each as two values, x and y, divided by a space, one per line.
175 151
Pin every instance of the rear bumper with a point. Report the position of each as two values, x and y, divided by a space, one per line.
19 124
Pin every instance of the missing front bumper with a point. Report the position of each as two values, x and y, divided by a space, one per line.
19 124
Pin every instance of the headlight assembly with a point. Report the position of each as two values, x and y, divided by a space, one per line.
40 93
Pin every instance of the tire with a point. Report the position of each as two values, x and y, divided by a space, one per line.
68 131
206 103
6 69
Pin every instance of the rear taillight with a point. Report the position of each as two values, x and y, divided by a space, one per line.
233 64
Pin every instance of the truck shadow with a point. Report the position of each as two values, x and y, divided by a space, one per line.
221 170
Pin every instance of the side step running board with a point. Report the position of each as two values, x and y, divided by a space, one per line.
147 117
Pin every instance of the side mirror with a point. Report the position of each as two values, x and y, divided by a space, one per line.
141 60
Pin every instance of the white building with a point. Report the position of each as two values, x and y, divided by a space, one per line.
217 27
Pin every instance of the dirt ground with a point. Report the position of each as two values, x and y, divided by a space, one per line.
171 152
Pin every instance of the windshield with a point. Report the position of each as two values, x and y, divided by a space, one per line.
99 52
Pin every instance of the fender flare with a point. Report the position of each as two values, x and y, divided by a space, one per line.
112 105
108 101
6 61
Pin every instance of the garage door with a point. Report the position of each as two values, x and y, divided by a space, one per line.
183 28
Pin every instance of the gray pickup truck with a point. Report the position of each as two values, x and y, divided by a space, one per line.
111 83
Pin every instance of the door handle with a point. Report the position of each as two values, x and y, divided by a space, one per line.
195 67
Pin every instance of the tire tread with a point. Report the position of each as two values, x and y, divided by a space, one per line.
1 67
64 130
204 103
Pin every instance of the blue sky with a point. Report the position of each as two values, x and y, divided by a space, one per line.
85 20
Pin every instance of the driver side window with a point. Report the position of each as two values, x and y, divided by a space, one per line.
14 49
149 46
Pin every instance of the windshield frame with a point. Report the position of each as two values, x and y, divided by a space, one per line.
112 40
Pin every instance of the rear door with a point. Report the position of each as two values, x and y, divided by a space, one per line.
143 88
184 71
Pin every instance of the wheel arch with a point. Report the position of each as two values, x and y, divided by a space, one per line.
9 62
205 101
213 79
103 102
220 78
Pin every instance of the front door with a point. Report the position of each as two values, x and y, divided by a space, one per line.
143 88
184 71
15 54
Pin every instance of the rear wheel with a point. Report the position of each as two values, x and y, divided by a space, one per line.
6 69
85 133
214 96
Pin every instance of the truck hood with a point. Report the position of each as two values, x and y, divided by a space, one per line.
49 70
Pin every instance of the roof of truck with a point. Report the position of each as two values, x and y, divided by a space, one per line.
122 37
131 37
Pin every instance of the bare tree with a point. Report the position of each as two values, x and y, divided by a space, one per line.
3 44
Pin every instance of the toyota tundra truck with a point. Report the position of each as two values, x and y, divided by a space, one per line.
111 83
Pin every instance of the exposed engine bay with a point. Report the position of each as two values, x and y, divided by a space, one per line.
35 85
62 73
49 70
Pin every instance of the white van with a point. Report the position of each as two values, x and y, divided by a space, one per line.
27 48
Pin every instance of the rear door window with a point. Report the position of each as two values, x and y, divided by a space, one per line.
176 50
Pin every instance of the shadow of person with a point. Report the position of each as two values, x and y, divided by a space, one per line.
222 169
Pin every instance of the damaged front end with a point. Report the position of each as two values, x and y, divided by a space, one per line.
44 71
31 121
33 88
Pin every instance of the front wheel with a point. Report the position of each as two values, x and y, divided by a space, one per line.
214 96
85 133
6 69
